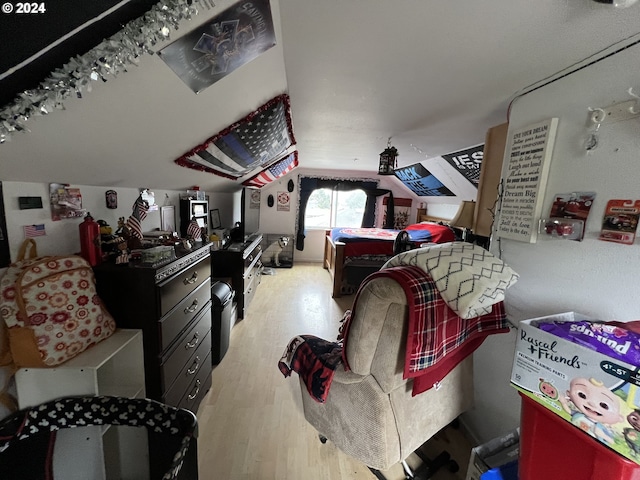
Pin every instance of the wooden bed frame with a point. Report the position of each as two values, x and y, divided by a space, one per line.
334 257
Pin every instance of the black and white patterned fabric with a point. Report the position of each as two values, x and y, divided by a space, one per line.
72 412
469 278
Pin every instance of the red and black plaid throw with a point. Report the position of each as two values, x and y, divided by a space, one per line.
314 360
438 339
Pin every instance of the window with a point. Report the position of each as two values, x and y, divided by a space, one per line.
329 208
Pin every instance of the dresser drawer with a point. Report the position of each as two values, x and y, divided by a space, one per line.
250 277
197 390
182 284
181 374
177 319
250 290
252 257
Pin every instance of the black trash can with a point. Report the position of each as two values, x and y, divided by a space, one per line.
222 296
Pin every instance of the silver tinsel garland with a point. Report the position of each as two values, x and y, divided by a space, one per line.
110 57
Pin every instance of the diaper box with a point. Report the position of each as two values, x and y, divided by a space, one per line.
597 393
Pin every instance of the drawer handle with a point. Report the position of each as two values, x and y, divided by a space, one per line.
194 341
250 258
193 307
194 366
189 281
197 390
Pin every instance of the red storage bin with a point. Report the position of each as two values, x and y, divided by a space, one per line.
552 448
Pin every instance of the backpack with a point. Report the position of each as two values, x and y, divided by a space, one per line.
51 309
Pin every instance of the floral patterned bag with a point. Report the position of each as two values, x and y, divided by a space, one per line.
52 310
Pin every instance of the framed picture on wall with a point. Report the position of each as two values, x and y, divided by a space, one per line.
214 216
168 218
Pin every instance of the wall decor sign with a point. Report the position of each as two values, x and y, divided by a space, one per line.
217 48
421 182
283 201
66 202
256 141
467 162
528 159
254 199
401 213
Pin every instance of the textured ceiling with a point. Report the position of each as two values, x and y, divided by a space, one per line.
431 75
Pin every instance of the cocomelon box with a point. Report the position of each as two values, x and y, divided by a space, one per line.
586 373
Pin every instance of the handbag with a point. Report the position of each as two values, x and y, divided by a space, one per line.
51 309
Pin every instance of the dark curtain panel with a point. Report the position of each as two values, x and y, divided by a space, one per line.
5 257
309 184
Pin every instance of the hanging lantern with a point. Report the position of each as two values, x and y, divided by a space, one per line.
388 158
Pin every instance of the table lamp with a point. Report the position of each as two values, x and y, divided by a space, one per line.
464 217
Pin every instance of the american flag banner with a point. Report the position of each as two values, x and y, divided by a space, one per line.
275 171
31 231
193 230
257 140
134 223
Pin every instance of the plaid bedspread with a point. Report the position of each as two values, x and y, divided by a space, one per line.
314 360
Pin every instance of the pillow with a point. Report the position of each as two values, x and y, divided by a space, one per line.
469 278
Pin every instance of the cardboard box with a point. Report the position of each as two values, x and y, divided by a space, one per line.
594 392
494 454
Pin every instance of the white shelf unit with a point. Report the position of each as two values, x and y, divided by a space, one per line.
112 367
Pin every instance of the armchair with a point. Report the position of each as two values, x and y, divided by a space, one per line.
372 410
370 413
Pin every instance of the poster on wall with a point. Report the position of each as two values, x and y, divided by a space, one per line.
421 182
283 201
217 48
254 199
528 158
66 202
467 162
402 210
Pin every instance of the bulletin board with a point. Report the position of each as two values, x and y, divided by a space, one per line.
528 158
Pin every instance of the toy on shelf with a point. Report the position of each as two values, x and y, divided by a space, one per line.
620 221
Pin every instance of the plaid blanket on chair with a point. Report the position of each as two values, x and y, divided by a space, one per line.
438 339
314 360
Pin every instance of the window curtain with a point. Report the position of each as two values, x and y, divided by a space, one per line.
370 187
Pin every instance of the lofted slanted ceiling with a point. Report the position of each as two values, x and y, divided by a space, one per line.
433 76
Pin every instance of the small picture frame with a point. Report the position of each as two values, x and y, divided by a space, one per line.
168 219
215 218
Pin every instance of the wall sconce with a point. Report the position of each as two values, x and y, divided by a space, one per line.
388 158
464 217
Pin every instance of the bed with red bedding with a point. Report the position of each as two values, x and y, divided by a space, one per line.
365 250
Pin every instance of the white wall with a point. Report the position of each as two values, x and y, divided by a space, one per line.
593 277
63 235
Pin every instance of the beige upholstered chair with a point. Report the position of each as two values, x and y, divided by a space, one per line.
370 413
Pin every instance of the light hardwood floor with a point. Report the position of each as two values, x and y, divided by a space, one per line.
251 425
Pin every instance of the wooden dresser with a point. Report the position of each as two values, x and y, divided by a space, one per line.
171 304
241 262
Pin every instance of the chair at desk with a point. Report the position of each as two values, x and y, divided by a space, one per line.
27 437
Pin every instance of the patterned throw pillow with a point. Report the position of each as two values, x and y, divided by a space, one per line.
470 279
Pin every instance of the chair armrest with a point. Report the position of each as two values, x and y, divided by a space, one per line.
346 377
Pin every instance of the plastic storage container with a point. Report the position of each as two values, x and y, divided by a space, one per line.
222 318
505 472
551 447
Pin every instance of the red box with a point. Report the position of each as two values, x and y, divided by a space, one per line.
552 448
